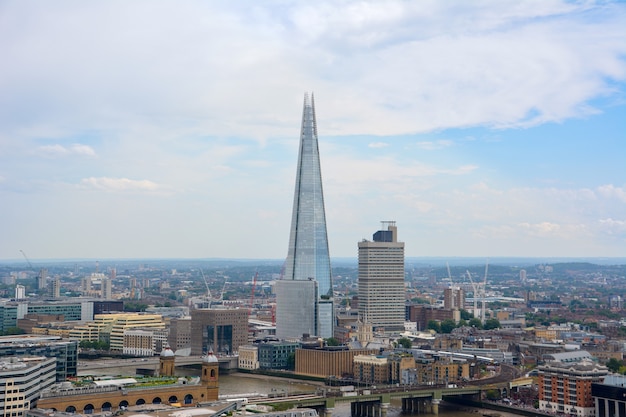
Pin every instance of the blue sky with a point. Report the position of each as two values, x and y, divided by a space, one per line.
170 129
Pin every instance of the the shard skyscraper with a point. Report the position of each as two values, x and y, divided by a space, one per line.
304 295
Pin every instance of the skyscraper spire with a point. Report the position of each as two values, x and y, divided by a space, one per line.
304 296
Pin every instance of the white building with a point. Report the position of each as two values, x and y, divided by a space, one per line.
21 381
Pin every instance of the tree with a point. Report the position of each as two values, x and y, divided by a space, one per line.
613 365
466 315
331 341
434 325
492 324
405 342
475 322
12 331
291 361
447 326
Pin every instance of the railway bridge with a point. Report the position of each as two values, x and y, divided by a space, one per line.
374 403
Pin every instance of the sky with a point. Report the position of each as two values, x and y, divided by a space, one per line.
161 129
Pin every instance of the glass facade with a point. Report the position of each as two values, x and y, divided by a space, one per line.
308 255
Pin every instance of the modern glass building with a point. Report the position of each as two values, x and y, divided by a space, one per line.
304 296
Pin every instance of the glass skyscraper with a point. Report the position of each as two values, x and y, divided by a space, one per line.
304 296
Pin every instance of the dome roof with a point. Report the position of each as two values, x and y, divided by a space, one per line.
209 358
167 352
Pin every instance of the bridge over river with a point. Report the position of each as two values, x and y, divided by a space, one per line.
374 403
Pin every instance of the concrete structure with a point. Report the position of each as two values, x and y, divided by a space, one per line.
65 352
111 396
381 280
218 330
307 270
566 387
21 380
322 362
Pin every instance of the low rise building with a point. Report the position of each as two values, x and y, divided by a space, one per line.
249 357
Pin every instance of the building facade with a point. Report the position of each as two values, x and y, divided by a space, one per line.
566 387
322 362
218 330
65 352
276 355
248 357
610 396
308 257
21 381
381 280
453 298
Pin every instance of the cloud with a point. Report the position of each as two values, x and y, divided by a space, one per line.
377 145
56 150
434 145
381 68
120 184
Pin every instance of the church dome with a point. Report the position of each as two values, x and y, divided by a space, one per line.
167 352
209 358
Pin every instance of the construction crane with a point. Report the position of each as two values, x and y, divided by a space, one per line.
476 291
482 314
208 291
256 275
27 260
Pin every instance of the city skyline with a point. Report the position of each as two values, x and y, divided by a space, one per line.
487 130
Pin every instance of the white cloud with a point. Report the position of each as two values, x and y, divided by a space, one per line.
376 145
433 145
120 184
56 150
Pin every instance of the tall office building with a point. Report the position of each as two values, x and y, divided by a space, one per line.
381 280
304 295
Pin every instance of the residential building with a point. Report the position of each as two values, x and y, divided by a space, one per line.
21 381
453 298
381 280
565 387
304 295
218 330
371 369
